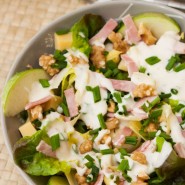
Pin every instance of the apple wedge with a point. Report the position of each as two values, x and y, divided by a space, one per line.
16 92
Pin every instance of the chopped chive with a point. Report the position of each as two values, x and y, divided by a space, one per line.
142 69
95 131
159 143
150 105
65 109
111 65
115 72
178 107
122 76
89 88
171 63
89 164
96 94
123 152
44 83
164 96
55 141
105 53
179 67
117 96
89 158
155 114
101 120
107 151
132 140
174 91
183 114
125 112
124 165
95 173
108 73
152 60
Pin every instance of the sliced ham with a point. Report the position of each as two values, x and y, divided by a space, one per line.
71 103
46 149
130 64
127 131
38 102
123 85
120 135
144 146
110 114
102 35
179 48
139 113
131 32
99 180
180 149
183 133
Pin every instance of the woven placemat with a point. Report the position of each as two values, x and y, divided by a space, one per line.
20 20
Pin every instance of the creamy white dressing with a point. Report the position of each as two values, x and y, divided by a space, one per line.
50 118
141 78
99 42
176 131
89 109
41 92
164 50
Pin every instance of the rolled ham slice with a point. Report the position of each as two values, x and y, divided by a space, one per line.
123 85
71 103
130 64
131 32
180 149
102 35
38 102
46 149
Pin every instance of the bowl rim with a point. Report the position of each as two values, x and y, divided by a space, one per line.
37 35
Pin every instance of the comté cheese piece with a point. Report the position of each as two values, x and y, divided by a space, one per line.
27 129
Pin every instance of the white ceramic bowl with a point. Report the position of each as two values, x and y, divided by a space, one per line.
43 43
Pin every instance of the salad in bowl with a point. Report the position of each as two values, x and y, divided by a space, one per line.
107 106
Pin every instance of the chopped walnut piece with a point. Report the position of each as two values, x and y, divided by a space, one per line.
46 61
106 140
75 60
36 113
139 157
143 176
112 123
111 106
144 90
152 127
86 146
146 35
118 43
81 180
97 56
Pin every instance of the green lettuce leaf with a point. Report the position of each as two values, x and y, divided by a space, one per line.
172 172
33 162
45 166
84 29
68 80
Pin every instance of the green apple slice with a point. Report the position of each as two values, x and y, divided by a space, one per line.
158 23
16 92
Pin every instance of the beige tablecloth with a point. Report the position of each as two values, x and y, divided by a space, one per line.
20 20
